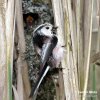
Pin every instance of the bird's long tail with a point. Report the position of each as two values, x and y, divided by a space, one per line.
41 76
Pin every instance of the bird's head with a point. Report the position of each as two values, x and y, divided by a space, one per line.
46 29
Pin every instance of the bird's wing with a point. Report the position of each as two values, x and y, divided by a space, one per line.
47 49
46 53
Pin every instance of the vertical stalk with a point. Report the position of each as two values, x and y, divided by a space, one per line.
94 81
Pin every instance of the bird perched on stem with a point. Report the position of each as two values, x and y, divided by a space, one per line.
45 41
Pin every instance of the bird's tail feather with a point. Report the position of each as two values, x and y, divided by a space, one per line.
41 76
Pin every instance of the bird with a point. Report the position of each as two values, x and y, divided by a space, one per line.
45 41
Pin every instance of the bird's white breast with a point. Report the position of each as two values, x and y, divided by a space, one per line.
58 53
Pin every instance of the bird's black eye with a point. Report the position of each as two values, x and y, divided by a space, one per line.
47 27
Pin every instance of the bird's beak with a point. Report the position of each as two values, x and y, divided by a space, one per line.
54 29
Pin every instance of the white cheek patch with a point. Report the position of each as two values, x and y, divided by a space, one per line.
47 33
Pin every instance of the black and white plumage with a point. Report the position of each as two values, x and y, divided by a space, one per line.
46 43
